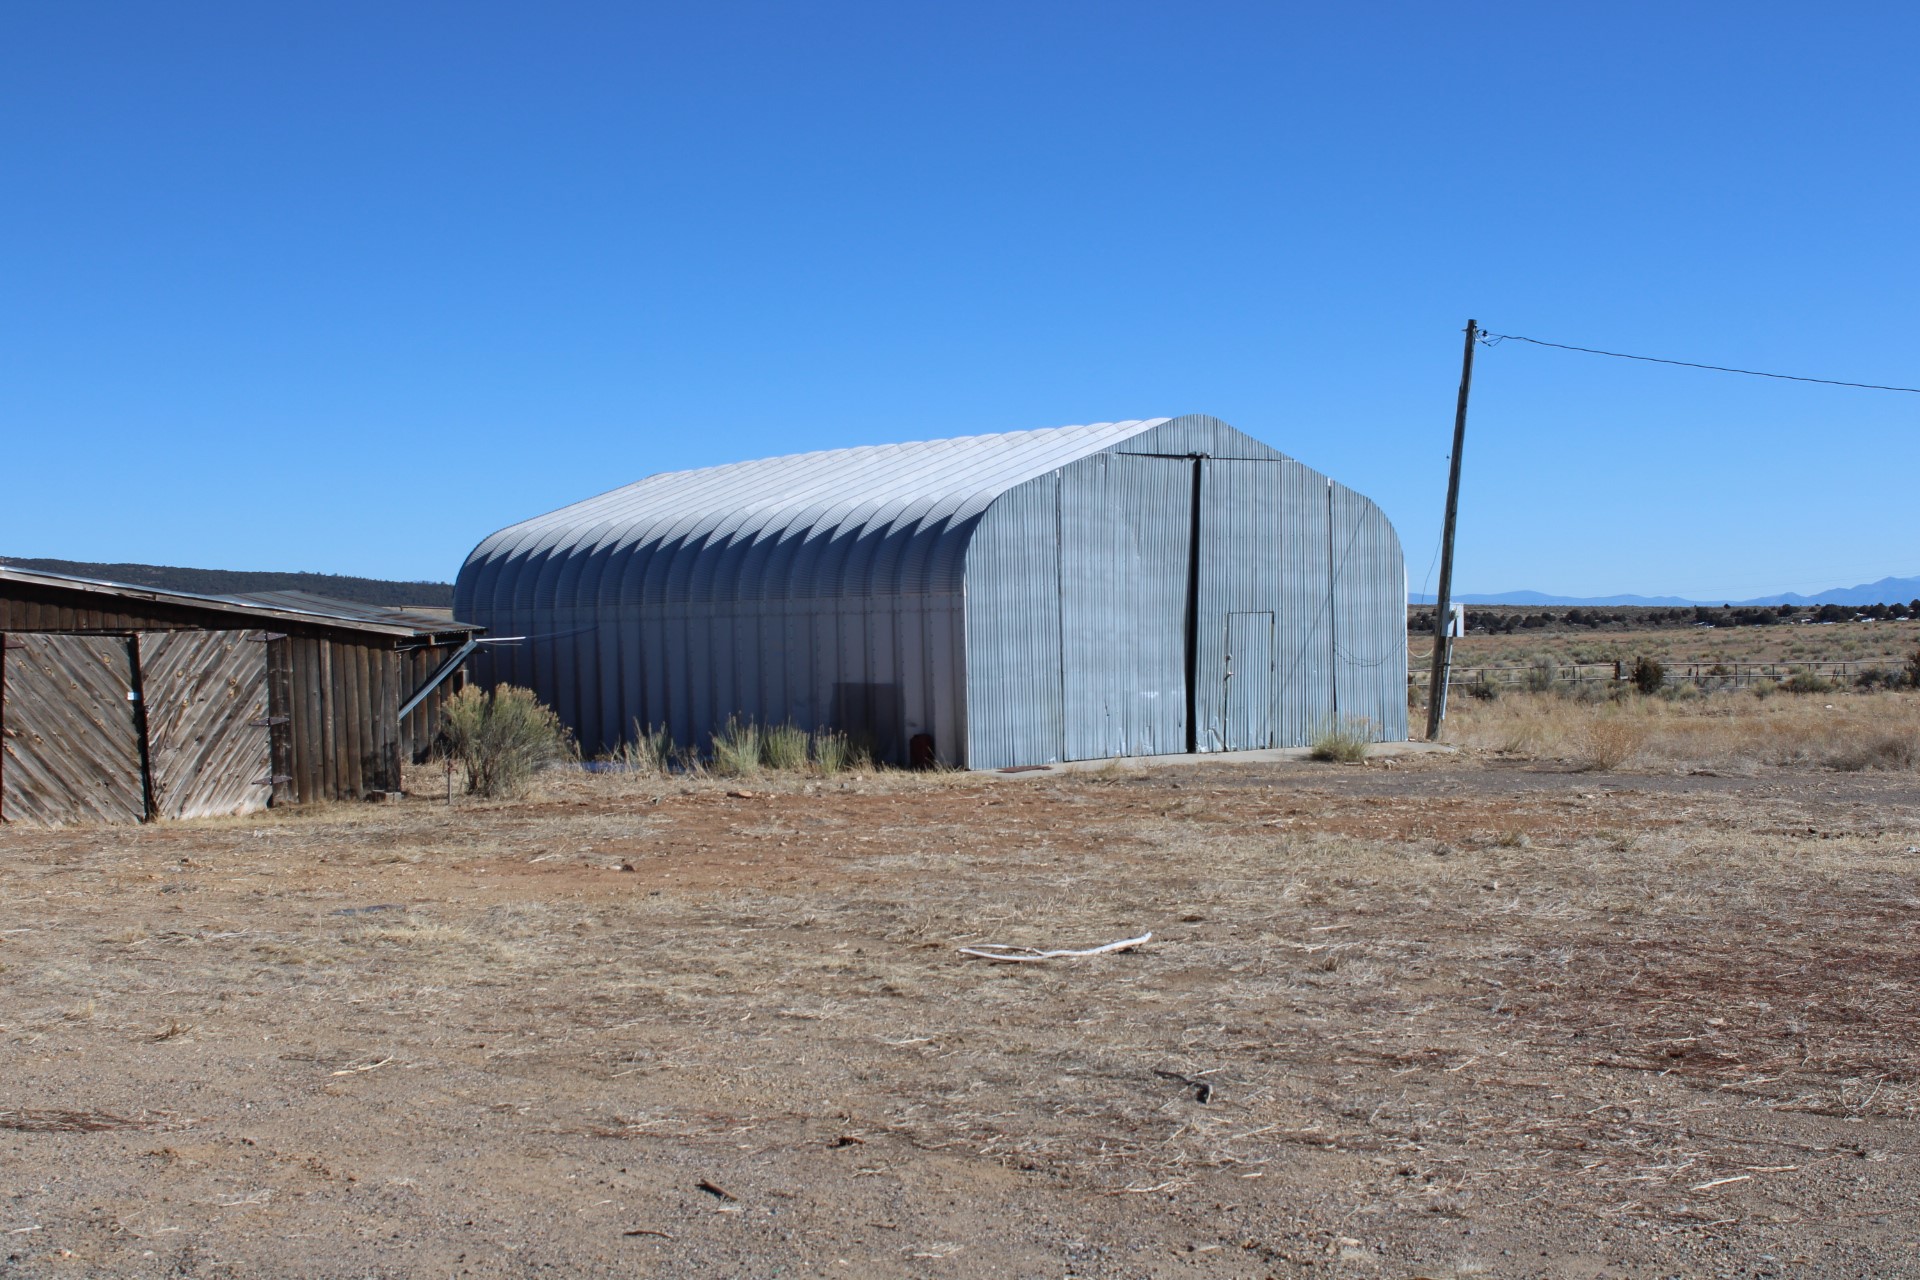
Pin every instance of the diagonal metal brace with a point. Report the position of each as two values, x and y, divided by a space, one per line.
438 678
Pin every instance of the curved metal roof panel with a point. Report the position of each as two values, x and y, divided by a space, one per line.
875 520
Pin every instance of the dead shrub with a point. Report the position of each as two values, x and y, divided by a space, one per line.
1345 742
648 751
1608 741
1895 750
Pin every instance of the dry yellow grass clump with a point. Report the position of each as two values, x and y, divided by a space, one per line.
1731 732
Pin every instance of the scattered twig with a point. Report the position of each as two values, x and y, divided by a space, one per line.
57 1120
354 1071
1721 1182
1007 951
1168 1185
648 1231
714 1189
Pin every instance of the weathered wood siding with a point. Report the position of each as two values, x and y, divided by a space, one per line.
71 730
421 728
341 738
205 695
330 726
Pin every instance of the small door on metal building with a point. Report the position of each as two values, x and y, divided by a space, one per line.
1249 681
207 726
71 731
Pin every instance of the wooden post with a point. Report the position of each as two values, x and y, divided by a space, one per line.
1443 603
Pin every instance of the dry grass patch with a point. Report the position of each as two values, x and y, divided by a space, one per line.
1732 731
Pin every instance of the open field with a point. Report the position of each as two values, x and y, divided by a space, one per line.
1473 1015
1883 643
1736 733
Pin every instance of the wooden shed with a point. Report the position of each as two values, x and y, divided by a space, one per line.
121 703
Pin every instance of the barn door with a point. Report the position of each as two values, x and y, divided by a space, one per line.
70 727
1249 681
1264 552
207 728
1126 537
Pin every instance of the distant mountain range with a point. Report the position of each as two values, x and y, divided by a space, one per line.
226 582
1885 591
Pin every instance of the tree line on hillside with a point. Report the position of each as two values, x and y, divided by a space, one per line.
227 582
1502 621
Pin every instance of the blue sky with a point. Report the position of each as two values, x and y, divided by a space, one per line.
346 287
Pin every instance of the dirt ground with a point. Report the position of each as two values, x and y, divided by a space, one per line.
1463 1015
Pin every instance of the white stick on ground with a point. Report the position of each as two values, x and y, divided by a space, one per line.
1023 955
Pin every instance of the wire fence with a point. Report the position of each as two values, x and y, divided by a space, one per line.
1707 675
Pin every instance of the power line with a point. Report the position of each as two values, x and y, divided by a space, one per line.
1495 339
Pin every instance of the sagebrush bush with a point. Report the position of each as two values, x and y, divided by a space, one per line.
503 738
1808 681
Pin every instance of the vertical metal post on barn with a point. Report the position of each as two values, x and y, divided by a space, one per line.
1443 603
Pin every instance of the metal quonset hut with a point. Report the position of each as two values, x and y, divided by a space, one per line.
1127 588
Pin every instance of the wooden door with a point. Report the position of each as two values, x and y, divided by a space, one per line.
207 727
69 731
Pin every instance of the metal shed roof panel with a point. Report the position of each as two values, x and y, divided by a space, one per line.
255 609
865 519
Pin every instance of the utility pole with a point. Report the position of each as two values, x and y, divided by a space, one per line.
1443 604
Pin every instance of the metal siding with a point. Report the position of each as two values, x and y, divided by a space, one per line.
1370 611
1303 628
1126 531
1197 436
1014 698
69 728
205 694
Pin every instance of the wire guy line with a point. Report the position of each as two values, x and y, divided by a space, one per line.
1495 339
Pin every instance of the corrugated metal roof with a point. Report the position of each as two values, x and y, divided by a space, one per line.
351 610
833 494
258 607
